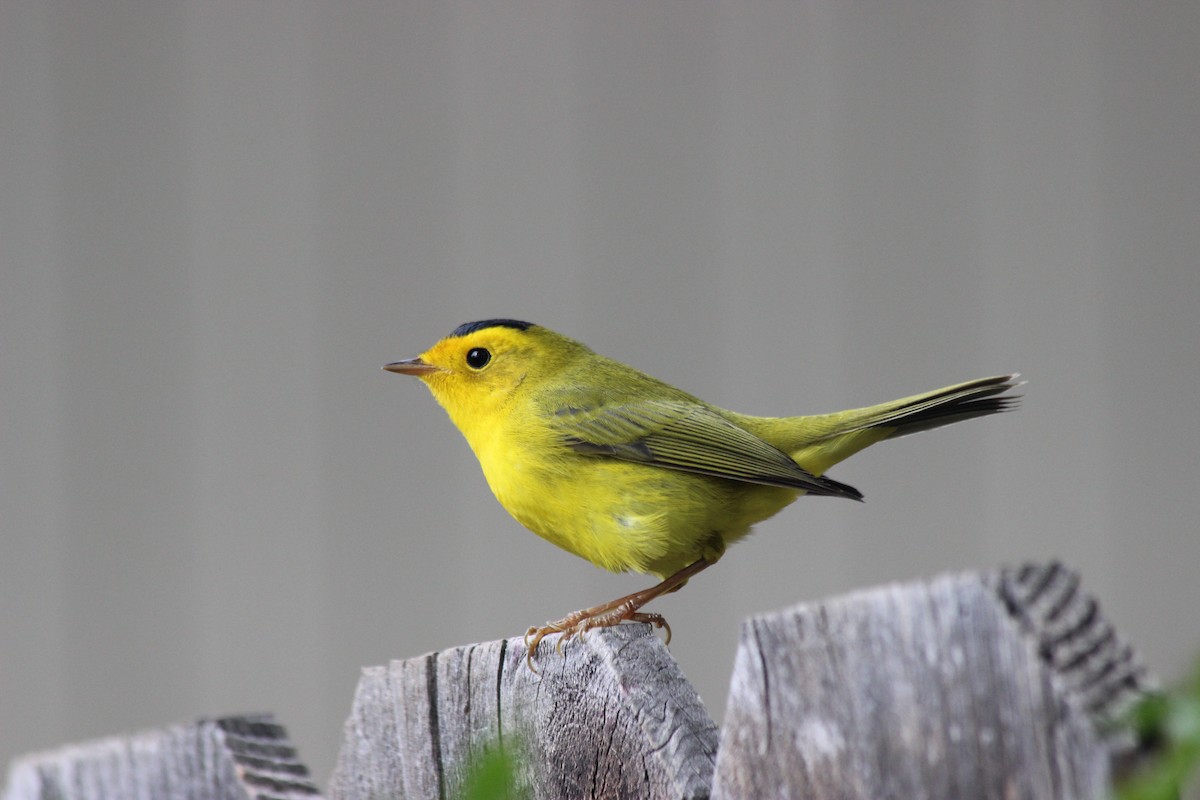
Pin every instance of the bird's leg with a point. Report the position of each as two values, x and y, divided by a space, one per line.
613 612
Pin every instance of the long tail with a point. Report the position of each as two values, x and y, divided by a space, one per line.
924 412
818 442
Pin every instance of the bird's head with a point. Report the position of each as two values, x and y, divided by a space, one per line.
481 366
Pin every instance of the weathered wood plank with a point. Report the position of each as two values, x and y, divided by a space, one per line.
233 758
969 686
613 718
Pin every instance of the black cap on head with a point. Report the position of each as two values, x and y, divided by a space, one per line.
471 327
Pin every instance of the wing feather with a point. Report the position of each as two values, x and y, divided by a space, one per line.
689 437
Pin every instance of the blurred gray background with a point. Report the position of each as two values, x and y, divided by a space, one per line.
218 219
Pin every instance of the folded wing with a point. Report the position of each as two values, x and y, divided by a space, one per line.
689 437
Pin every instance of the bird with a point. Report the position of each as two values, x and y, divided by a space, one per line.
633 474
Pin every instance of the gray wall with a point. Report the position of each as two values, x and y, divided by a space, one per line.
218 219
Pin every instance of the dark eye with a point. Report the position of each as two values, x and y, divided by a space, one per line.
478 358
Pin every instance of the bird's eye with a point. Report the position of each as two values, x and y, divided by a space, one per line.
478 358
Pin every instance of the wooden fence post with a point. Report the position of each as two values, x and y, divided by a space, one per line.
611 717
233 758
981 685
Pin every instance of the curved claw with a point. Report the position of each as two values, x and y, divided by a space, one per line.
531 646
530 649
657 620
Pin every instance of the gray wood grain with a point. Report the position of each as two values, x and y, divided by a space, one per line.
613 718
934 690
233 758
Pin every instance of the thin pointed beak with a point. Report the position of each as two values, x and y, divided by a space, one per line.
411 366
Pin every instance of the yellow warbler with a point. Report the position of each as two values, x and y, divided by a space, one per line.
631 473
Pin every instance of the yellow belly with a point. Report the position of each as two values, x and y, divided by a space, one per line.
624 516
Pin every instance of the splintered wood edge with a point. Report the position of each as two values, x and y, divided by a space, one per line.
1073 638
264 758
232 758
612 715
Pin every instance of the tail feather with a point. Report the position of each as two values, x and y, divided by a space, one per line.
818 442
924 412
